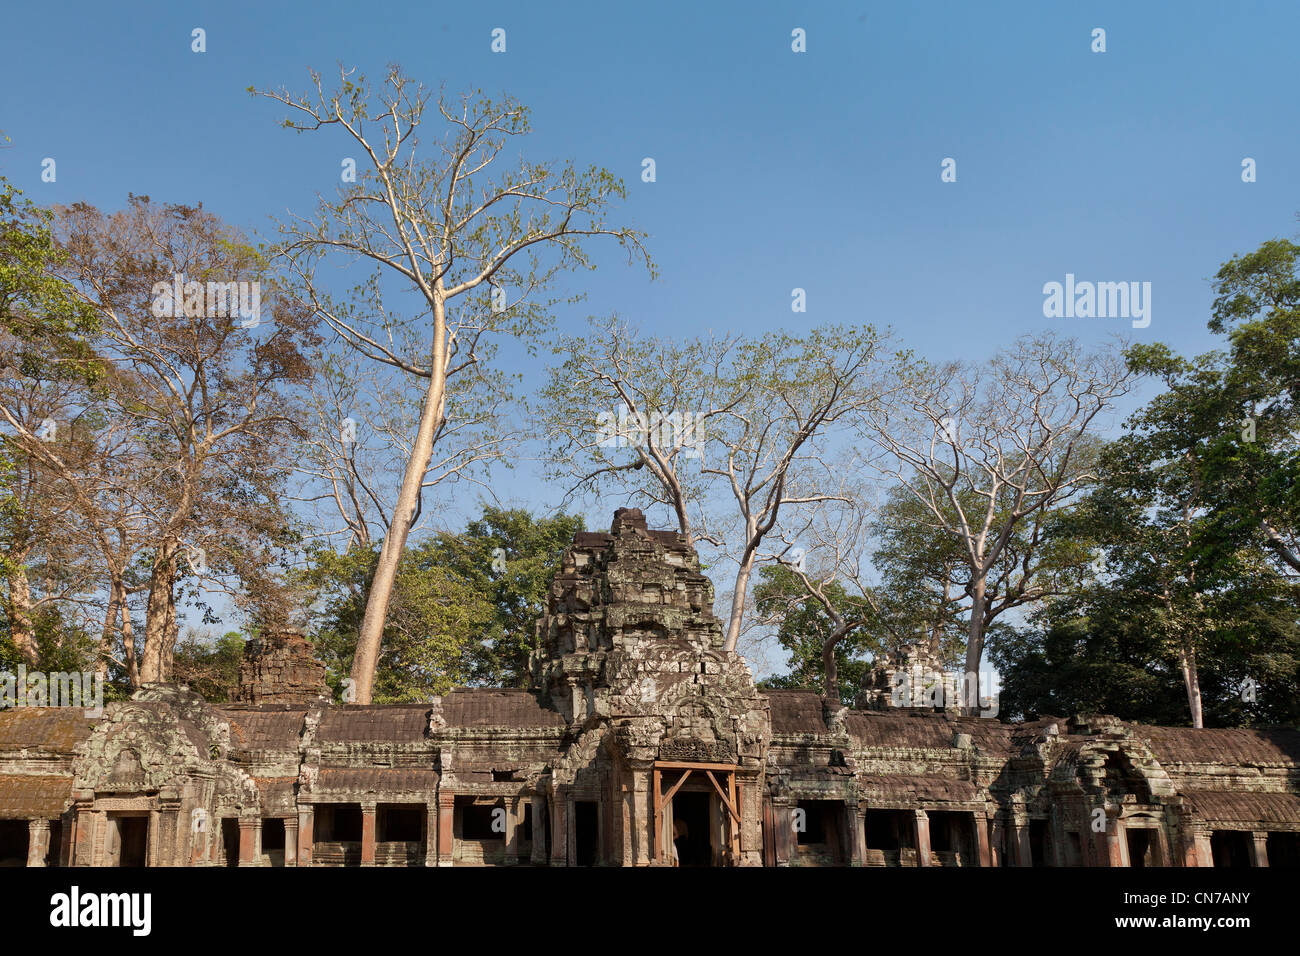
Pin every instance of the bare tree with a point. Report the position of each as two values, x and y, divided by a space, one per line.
630 414
471 250
207 390
990 450
763 413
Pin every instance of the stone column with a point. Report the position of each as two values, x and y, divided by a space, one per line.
446 818
1259 849
291 841
153 843
306 818
1204 852
1024 848
981 824
782 831
570 836
1111 847
512 832
431 834
38 841
367 834
559 831
860 836
922 838
538 857
247 843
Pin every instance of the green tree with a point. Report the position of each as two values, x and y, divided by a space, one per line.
463 609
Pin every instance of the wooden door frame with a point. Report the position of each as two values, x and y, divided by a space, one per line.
730 798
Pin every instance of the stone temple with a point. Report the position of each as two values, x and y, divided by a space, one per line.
639 743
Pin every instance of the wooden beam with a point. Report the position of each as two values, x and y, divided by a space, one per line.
735 832
728 801
656 825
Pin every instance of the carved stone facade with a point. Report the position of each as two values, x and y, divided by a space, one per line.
640 742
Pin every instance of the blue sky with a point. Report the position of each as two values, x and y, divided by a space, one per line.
776 170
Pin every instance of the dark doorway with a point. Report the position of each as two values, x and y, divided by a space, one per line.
133 837
230 840
1283 850
273 841
13 842
400 823
1139 848
890 830
1038 843
586 832
691 829
1231 848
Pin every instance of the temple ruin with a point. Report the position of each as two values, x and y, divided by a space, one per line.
638 742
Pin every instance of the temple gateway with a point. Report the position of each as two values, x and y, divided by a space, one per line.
639 743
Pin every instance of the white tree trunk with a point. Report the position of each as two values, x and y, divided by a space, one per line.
366 661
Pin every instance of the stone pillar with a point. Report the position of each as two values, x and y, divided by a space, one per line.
860 836
247 841
922 838
1114 849
291 841
1203 852
570 836
1023 847
367 834
446 819
512 832
559 831
431 834
782 832
1259 849
306 818
539 830
38 841
981 823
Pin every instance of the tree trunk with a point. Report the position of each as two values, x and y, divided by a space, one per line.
974 644
738 602
1192 682
366 660
115 595
128 644
829 665
160 619
21 629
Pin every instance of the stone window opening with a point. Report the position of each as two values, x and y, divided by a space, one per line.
400 822
1283 849
230 841
1038 842
338 823
273 841
890 830
13 842
1230 848
818 832
478 819
952 838
336 837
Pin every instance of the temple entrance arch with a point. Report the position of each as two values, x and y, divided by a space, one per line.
696 813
